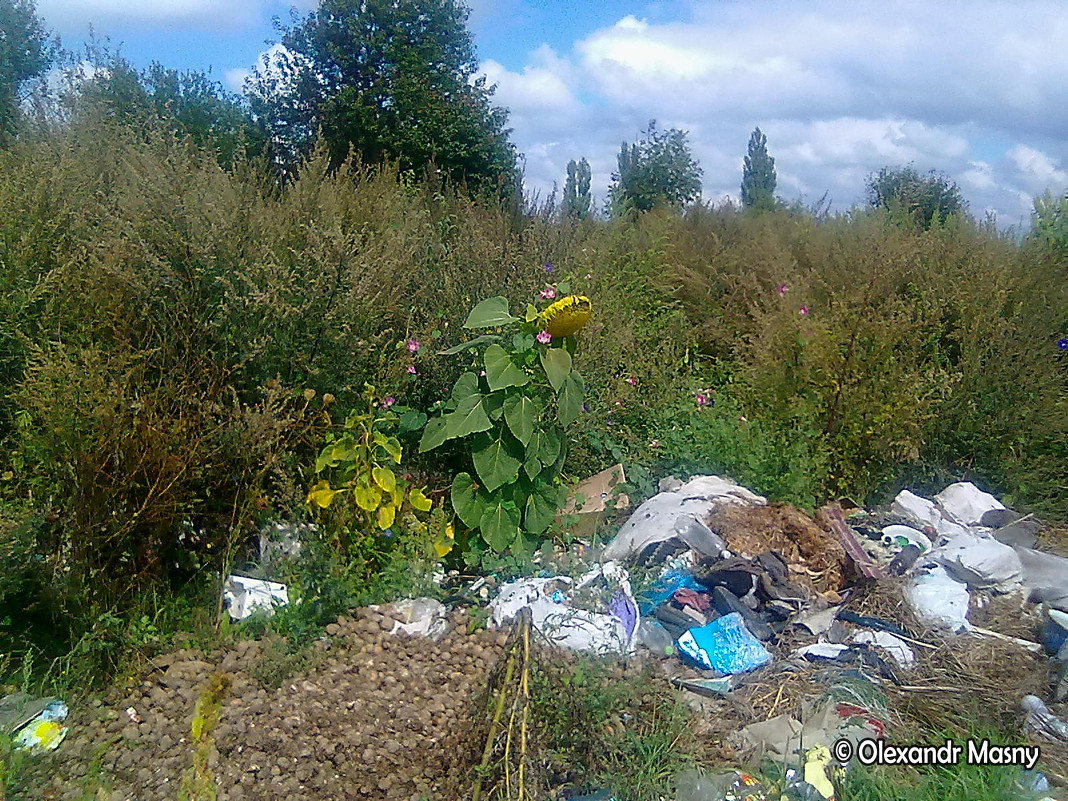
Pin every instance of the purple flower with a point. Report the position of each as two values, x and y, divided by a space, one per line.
1062 343
412 345
411 369
548 267
548 293
585 406
544 337
803 311
632 381
701 399
388 401
782 290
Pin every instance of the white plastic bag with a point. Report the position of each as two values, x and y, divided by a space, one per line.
939 600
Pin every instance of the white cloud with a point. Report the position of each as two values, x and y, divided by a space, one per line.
840 87
538 89
1036 169
234 79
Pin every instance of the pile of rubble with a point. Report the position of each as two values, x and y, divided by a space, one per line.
735 594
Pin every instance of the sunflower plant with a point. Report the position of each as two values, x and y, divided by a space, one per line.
512 408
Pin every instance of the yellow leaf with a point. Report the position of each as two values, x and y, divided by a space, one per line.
321 495
384 478
419 500
386 514
367 497
445 544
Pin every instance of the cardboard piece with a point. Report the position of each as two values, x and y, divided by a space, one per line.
596 496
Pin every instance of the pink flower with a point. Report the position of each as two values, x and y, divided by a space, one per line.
411 369
388 401
782 289
482 373
654 444
548 293
544 337
412 345
632 381
803 311
701 399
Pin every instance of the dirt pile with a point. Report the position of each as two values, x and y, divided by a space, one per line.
377 718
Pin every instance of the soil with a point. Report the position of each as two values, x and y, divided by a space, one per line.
377 717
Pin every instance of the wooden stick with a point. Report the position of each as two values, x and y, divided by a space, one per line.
508 670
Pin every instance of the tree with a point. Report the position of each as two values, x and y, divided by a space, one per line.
1049 224
386 80
657 169
26 51
922 200
577 189
189 103
758 175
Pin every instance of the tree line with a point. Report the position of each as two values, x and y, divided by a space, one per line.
395 80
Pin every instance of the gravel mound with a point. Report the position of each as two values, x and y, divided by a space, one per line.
380 716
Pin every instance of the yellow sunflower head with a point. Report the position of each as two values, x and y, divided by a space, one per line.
566 316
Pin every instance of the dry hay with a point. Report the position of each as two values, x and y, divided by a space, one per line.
962 682
807 548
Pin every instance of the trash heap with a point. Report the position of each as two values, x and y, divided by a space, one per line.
829 622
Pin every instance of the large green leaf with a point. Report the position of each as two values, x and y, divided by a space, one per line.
490 312
557 364
501 371
466 501
548 445
469 418
532 463
465 386
471 343
494 405
499 525
521 412
435 433
495 463
569 399
540 508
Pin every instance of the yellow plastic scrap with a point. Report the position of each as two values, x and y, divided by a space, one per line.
817 762
41 735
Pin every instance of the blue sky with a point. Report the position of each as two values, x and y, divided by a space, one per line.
840 87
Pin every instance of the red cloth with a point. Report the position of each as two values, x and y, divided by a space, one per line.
692 598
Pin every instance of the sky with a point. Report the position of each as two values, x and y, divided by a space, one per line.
841 88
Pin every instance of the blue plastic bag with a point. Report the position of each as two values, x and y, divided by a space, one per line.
724 645
664 587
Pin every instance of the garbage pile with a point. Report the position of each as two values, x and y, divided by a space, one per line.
734 590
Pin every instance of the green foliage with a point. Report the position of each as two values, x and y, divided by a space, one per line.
577 198
758 175
921 201
360 462
1049 225
25 52
198 781
602 727
513 412
657 169
387 80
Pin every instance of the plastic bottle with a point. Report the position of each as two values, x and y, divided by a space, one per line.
655 637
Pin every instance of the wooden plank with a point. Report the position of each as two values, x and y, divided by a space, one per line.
862 563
